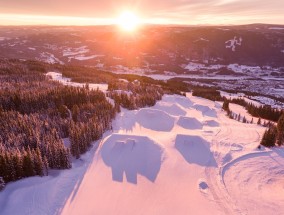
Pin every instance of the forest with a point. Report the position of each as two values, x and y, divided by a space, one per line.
38 114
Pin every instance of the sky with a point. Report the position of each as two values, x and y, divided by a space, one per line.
101 12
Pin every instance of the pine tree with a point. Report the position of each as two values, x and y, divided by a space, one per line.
18 164
117 107
46 166
226 105
269 137
239 117
264 123
65 159
3 166
2 183
28 166
64 111
38 163
10 173
74 140
280 130
75 113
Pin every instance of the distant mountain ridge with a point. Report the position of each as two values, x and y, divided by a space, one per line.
153 48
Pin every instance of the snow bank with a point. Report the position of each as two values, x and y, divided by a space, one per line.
211 123
172 109
132 155
206 111
189 123
181 100
155 119
195 150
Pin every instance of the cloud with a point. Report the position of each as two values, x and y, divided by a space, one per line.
180 11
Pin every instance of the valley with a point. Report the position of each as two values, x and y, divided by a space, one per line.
135 124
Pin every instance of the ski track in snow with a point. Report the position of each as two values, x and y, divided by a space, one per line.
216 177
178 157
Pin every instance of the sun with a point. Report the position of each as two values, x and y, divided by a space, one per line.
128 21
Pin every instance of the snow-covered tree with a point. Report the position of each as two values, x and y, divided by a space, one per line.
269 137
2 183
280 130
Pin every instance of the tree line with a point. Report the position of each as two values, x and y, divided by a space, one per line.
207 93
134 95
263 111
273 136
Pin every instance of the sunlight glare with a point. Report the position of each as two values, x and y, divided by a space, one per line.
128 21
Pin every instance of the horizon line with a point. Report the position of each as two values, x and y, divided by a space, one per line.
143 24
45 20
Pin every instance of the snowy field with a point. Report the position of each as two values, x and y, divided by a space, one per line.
257 100
182 156
67 81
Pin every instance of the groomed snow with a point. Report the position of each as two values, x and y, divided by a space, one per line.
182 156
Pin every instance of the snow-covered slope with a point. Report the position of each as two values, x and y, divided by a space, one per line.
182 156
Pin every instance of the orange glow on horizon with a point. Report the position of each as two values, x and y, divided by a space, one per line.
128 21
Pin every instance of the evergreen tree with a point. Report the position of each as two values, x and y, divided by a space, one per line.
28 166
9 167
239 117
280 130
2 183
64 111
225 105
74 142
264 123
18 165
3 162
46 166
75 113
38 163
269 137
3 166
